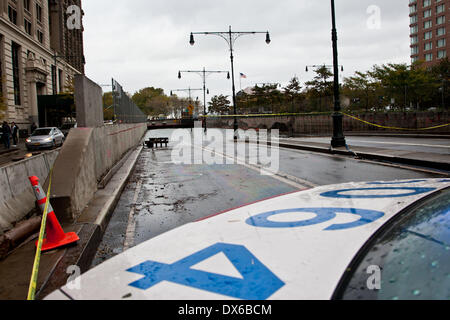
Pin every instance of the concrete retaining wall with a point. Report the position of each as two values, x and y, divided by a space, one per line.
16 195
322 124
87 156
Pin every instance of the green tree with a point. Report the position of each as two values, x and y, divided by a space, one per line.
441 73
152 101
361 89
219 105
320 89
293 93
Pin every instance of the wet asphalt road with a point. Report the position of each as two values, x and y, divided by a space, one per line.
161 195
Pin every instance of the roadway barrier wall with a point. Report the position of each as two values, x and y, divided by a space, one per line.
322 124
17 199
86 157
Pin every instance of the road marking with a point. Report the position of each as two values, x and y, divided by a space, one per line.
281 176
131 226
380 163
384 142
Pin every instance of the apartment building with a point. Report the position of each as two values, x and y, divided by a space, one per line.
39 55
429 28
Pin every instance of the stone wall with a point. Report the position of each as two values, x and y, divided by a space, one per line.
86 157
322 124
16 194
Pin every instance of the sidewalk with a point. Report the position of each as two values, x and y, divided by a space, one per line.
8 155
422 159
16 268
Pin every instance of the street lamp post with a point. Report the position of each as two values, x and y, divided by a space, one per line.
338 139
230 37
189 90
203 74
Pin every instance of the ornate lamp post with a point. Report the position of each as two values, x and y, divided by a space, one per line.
204 75
338 139
188 90
230 37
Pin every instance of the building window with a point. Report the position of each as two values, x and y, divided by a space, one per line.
61 80
442 54
1 68
426 3
27 25
12 14
38 13
440 20
54 85
40 36
413 8
440 31
414 40
427 24
15 53
428 35
414 29
441 43
414 50
414 59
429 57
440 8
428 46
413 19
26 5
427 13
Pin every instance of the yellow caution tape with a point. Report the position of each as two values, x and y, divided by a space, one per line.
395 128
321 113
265 115
37 258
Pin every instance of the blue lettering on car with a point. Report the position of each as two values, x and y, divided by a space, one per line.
411 192
258 282
322 215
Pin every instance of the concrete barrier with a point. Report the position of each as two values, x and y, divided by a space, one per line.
86 157
16 195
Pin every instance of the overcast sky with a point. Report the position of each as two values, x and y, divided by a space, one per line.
144 43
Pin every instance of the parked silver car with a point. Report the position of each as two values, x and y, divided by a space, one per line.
45 138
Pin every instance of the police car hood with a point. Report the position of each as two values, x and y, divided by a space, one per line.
292 247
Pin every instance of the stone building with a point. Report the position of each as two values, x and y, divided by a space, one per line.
40 52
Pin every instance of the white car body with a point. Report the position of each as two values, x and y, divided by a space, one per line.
286 248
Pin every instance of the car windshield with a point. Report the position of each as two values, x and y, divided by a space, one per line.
41 132
412 257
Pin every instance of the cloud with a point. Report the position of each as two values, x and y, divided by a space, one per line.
144 43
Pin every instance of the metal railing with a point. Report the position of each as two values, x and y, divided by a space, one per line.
125 110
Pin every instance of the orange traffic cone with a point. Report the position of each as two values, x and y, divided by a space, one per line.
55 234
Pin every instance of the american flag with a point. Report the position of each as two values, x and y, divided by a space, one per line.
243 76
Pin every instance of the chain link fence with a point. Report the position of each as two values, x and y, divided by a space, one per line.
125 110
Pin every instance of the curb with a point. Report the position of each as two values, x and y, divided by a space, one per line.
371 156
91 226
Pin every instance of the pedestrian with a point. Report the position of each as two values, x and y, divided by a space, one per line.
15 132
33 127
6 134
